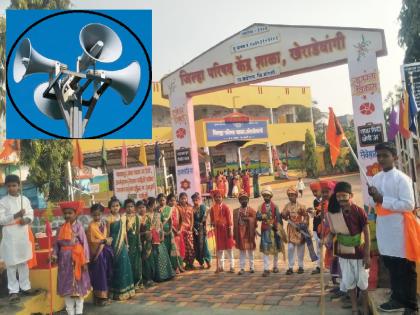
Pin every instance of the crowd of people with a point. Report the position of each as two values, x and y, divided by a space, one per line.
152 240
231 182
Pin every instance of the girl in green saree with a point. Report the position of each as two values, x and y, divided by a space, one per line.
146 240
134 243
122 286
167 212
163 266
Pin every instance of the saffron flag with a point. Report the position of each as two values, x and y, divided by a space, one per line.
124 155
334 136
143 155
404 116
77 155
9 146
393 124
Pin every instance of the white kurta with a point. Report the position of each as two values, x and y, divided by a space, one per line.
15 247
397 191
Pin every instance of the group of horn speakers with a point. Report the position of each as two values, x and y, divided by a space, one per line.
100 44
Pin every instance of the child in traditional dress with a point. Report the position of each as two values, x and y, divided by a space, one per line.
71 251
101 255
187 224
134 243
177 262
272 233
122 286
300 186
348 222
397 230
16 249
146 237
295 214
245 231
202 253
221 220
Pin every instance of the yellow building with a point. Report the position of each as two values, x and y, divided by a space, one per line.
285 112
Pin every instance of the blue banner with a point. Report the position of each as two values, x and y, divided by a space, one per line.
221 131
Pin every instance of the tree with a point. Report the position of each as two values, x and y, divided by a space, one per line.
409 33
311 162
47 161
40 4
303 114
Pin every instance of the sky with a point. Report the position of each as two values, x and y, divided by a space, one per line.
183 29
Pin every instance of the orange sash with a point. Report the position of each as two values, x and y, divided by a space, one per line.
411 232
77 251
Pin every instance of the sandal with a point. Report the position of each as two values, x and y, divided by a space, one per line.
14 298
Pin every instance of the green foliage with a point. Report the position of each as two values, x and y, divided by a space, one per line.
349 161
40 4
47 161
303 114
311 163
409 33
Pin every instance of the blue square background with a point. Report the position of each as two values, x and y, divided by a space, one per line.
58 39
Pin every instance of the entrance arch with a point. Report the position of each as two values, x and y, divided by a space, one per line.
264 52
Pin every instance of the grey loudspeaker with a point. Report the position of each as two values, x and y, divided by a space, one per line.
100 43
47 106
28 61
125 81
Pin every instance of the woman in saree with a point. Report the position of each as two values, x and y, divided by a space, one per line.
187 225
167 213
202 253
163 266
101 255
176 229
134 243
146 238
122 286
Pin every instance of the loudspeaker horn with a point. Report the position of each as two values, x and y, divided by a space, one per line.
48 107
28 61
125 81
99 42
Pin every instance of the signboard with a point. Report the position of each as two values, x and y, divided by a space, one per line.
370 134
221 131
183 156
413 70
136 181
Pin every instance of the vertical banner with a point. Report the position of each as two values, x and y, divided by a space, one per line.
185 143
369 124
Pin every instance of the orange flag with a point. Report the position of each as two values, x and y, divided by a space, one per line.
8 149
334 136
77 155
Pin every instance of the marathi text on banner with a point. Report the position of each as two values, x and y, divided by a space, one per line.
138 181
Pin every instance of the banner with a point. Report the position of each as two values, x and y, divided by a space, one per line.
136 182
367 105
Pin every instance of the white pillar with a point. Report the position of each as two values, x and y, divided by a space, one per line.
271 116
70 181
207 161
165 174
270 158
239 158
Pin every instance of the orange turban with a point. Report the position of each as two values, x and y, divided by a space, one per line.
243 194
77 206
327 184
292 190
315 186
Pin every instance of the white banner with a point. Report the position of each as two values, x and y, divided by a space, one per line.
136 182
367 104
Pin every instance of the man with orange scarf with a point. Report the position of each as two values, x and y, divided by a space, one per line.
71 251
397 230
15 248
222 221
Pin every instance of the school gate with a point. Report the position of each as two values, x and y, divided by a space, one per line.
264 52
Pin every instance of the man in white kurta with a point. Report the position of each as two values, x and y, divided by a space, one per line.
393 190
15 247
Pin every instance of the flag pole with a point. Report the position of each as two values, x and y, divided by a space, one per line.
357 160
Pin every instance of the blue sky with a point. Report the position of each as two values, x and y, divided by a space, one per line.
58 38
